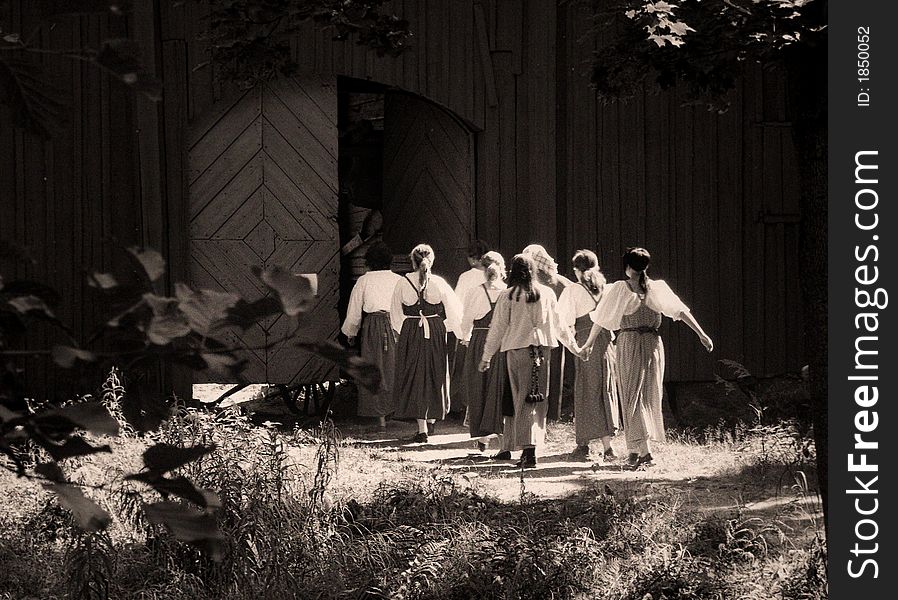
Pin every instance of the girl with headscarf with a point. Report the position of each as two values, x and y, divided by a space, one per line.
423 309
595 385
634 308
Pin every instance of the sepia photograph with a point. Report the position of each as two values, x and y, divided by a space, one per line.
434 299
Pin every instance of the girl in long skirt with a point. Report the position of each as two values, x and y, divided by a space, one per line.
595 386
526 327
634 308
484 391
423 309
472 278
368 317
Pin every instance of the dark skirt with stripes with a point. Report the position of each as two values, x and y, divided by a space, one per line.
421 383
378 346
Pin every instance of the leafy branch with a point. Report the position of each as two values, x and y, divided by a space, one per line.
249 41
36 102
186 328
701 44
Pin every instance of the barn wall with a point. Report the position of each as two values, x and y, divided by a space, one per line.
712 196
98 186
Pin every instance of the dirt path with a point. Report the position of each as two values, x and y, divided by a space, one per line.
718 479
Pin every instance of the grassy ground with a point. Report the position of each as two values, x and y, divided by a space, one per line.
353 514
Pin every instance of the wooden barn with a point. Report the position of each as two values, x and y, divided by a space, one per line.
487 128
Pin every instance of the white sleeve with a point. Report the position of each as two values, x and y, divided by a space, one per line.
467 319
662 299
397 316
354 311
567 307
612 306
452 305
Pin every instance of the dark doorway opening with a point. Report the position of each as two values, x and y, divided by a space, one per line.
406 172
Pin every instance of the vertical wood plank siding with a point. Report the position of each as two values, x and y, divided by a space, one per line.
553 165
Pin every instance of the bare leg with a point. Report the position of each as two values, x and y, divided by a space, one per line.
422 425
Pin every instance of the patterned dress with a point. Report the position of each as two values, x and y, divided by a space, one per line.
640 356
485 391
640 353
596 410
421 380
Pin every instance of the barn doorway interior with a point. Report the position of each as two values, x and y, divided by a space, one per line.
361 131
406 172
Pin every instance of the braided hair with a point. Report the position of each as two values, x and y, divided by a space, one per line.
591 276
422 258
639 259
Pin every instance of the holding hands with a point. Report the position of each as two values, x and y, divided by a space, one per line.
484 366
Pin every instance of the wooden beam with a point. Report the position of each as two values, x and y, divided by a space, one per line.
486 59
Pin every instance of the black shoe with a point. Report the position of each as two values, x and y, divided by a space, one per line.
502 455
419 438
609 455
481 447
528 459
645 461
580 453
633 460
431 427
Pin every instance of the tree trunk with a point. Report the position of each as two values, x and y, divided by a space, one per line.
807 72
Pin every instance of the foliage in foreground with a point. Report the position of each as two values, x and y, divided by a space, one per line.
286 536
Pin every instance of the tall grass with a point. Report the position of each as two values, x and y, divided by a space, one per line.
289 535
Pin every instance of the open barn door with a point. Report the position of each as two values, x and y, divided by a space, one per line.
428 183
263 192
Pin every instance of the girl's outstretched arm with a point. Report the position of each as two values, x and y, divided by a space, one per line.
706 341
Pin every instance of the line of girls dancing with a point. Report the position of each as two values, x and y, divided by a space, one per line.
509 322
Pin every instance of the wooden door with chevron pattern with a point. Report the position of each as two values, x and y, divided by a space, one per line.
263 192
428 184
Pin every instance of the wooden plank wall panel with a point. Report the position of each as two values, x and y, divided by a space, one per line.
76 198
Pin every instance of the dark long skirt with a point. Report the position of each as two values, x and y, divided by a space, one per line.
378 345
422 371
485 391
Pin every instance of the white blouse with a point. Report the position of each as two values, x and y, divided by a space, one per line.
575 301
469 279
519 324
619 300
373 292
476 306
437 291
